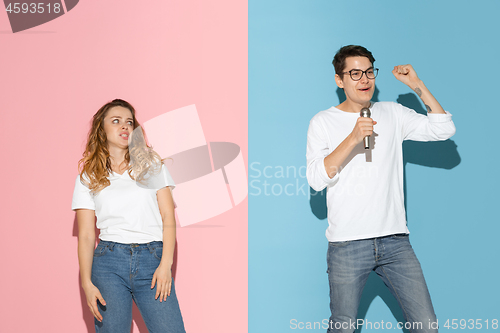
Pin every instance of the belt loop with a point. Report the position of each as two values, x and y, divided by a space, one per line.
111 246
150 247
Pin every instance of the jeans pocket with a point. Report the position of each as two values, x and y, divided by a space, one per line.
100 250
333 247
158 252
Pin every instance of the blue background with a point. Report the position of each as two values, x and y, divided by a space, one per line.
451 186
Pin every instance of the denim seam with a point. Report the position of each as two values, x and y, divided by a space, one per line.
101 252
397 295
154 253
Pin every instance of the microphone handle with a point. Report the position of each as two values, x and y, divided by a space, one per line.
365 113
367 142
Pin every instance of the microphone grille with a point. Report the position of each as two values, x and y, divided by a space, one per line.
365 112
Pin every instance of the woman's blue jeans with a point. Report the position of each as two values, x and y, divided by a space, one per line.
122 273
393 259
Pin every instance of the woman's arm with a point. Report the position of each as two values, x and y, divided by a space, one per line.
163 274
86 246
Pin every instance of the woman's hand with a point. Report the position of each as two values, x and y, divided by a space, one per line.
163 277
93 294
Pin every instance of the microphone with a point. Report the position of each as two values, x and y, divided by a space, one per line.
365 113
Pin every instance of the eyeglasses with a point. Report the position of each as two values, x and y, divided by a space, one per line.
357 74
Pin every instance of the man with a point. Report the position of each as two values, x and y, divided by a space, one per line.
366 216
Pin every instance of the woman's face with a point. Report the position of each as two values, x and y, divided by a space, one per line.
118 125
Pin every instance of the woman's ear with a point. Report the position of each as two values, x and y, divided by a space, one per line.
339 82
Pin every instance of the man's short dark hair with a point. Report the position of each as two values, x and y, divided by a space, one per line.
349 51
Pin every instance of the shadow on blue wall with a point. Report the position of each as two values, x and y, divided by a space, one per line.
436 154
440 154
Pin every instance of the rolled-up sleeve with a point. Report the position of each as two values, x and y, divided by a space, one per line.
433 127
317 150
82 198
166 178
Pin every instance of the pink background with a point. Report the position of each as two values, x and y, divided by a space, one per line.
159 56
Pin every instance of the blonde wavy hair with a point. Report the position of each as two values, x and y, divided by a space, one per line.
96 164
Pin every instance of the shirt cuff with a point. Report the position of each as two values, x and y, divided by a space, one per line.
75 207
439 117
324 175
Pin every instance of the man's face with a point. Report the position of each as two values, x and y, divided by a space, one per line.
358 92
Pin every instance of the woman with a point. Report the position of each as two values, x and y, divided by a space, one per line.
123 182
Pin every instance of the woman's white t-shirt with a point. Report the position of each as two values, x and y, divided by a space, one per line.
127 212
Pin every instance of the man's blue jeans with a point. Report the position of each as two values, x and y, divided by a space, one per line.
122 273
393 259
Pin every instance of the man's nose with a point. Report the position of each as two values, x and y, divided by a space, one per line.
364 78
